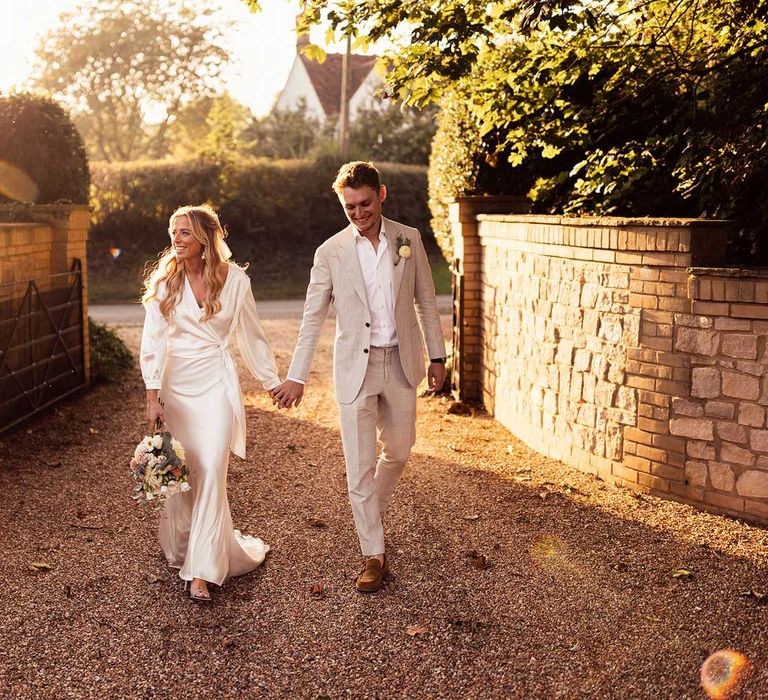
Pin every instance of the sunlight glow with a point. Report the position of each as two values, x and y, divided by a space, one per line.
16 184
723 673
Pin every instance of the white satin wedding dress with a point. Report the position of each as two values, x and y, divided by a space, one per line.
190 362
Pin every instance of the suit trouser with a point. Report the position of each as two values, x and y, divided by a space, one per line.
386 403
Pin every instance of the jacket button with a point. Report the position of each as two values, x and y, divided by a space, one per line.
367 325
365 349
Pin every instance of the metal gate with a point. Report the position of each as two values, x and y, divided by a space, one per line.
42 357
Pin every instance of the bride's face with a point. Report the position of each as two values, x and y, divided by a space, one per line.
185 245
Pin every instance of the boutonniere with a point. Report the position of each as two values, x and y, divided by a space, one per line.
403 248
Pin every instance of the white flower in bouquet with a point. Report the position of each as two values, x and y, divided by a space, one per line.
178 449
158 469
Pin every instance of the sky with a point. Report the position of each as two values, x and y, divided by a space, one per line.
263 44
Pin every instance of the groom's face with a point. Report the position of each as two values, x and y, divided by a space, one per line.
362 205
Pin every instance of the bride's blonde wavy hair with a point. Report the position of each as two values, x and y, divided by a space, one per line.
206 230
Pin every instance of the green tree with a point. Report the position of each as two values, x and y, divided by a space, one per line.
627 107
286 133
208 125
393 133
116 62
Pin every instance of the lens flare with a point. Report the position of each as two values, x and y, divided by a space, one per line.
115 253
549 551
16 184
723 672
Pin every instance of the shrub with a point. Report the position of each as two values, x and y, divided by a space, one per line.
460 165
38 137
110 358
277 212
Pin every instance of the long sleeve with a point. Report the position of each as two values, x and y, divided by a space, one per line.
315 312
254 347
154 345
426 302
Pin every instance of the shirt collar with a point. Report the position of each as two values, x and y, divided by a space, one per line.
382 232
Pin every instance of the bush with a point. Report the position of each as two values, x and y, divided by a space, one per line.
277 212
460 165
39 138
110 358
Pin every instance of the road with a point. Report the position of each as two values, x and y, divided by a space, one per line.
133 314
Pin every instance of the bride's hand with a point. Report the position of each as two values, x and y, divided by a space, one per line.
154 411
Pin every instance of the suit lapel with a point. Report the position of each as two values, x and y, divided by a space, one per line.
351 263
393 231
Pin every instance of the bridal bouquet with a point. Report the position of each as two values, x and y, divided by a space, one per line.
158 468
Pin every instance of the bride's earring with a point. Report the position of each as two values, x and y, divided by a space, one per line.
203 255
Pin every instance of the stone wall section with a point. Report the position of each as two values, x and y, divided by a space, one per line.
58 235
600 342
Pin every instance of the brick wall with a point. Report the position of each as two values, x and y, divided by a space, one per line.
599 342
58 235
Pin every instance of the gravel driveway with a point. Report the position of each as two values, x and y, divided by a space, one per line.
513 576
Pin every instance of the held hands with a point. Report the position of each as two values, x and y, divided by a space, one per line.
288 394
436 376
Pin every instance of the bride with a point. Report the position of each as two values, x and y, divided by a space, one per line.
196 301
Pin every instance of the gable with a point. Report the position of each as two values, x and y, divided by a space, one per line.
326 77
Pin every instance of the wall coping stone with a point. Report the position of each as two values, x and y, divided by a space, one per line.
602 221
735 272
40 213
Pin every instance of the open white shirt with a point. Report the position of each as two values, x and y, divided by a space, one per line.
377 267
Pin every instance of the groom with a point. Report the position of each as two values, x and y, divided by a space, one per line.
376 276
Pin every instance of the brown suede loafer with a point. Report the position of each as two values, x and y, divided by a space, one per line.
370 578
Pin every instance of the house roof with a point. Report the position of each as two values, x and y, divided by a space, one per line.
326 77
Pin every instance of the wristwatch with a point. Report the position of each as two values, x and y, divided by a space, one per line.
437 360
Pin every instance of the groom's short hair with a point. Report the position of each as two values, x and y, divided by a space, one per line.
357 174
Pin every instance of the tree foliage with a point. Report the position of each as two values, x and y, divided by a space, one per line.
115 63
286 133
38 138
626 107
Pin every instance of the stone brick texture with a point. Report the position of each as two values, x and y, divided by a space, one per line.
49 245
599 343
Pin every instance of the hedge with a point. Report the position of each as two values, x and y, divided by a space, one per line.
460 164
38 137
276 212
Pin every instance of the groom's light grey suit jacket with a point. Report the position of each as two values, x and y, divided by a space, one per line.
336 281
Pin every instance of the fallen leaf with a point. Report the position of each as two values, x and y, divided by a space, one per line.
478 561
226 643
316 522
39 566
759 597
93 431
152 578
318 590
291 448
68 591
682 574
543 495
521 478
413 630
471 517
53 465
467 624
459 408
454 448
